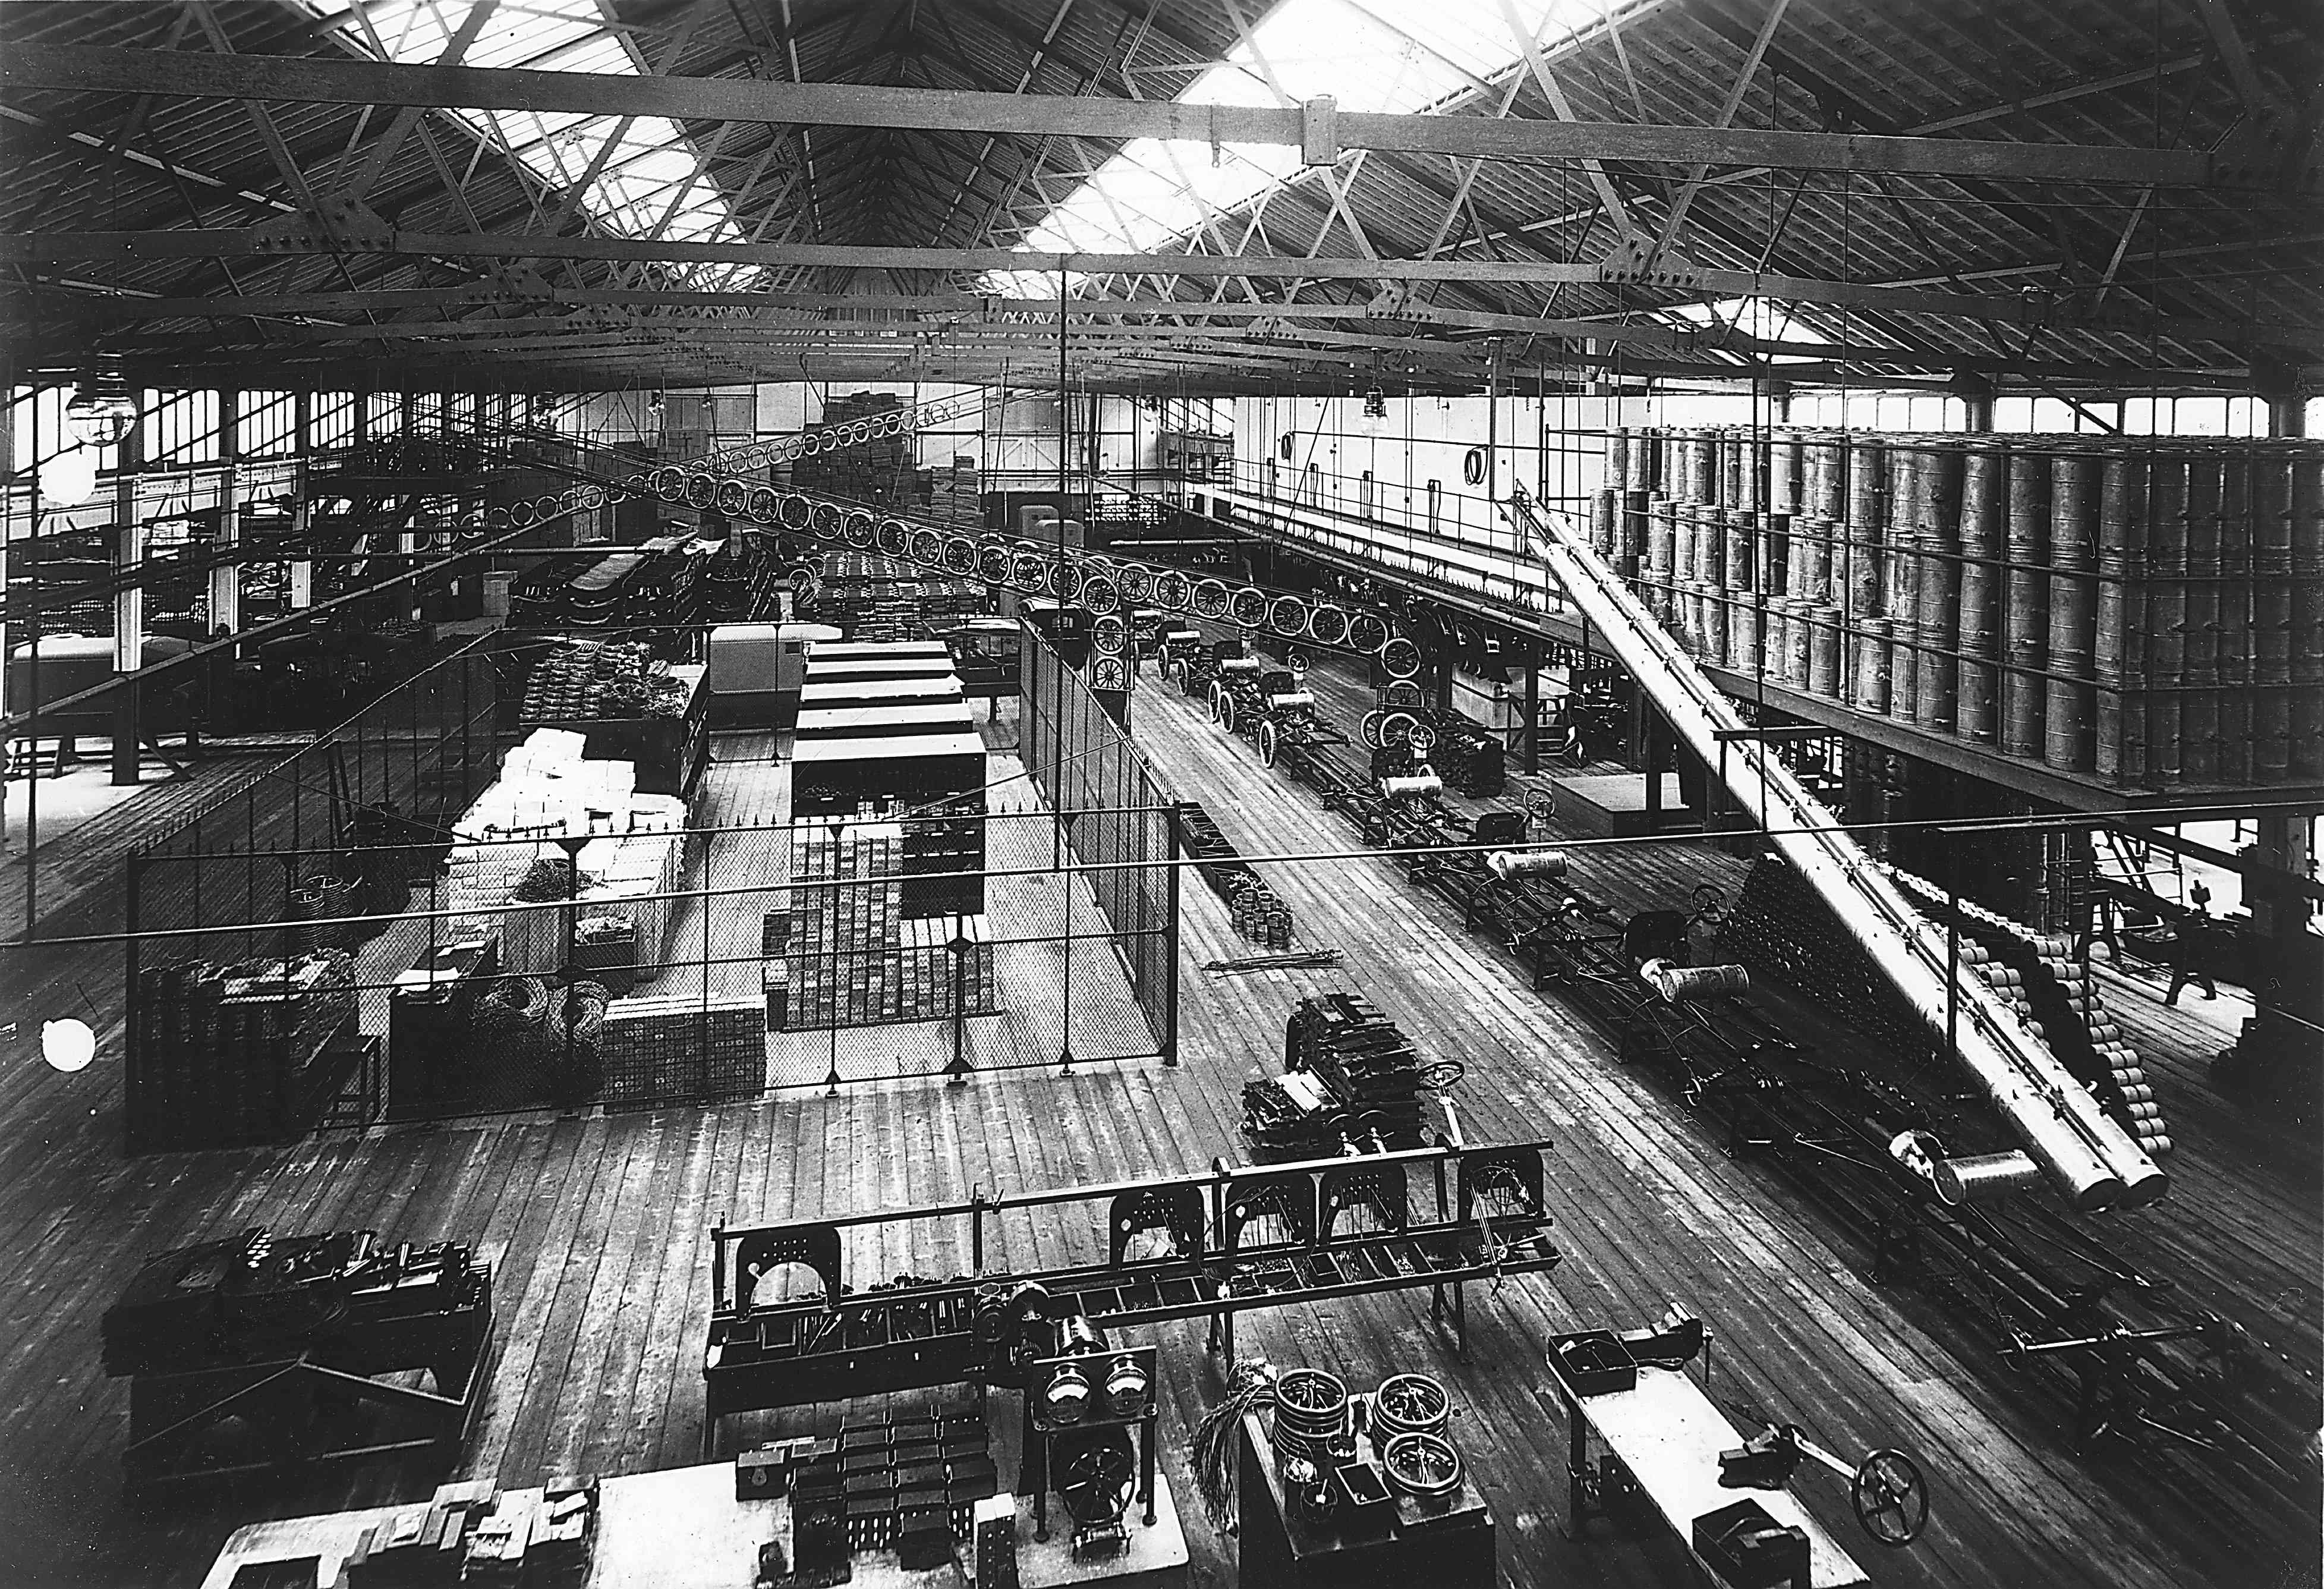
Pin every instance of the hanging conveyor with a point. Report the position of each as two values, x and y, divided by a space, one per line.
2091 1159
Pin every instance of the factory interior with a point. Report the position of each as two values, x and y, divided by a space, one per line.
1161 794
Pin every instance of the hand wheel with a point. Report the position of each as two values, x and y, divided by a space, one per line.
1891 1498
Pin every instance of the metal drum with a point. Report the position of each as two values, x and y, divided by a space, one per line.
1874 665
2069 711
2026 605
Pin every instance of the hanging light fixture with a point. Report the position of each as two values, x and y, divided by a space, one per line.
104 410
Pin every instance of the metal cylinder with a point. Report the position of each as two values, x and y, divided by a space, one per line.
1786 473
1873 665
1745 627
2307 734
1984 477
1985 1178
1799 643
1737 572
2166 608
2025 603
2070 712
1715 607
1862 571
1605 523
1618 458
1509 865
2199 707
1679 984
1823 658
1937 489
2117 656
1774 548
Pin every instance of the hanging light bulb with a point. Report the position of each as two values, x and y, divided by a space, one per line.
103 412
67 1045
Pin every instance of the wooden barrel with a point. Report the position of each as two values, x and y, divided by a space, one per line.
1873 664
1985 476
2070 712
1862 571
2026 602
1639 509
1775 637
1823 658
2273 466
1710 549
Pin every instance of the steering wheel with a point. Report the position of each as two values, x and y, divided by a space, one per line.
1708 899
1891 1498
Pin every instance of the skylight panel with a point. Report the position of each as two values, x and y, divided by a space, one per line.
636 191
1389 57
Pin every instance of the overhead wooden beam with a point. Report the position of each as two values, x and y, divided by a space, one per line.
1994 309
76 67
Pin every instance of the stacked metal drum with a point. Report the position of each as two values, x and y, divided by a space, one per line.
2141 611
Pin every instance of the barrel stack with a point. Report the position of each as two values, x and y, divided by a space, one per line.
2140 610
1984 526
2119 649
2070 698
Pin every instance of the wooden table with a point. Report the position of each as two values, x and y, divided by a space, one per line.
683 1529
1667 1436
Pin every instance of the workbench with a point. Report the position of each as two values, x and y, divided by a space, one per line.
682 1528
1445 1543
1663 1436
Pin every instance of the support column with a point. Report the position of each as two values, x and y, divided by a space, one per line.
2286 841
1532 712
129 604
302 572
226 579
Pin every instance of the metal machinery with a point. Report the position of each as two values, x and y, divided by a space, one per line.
263 1354
1902 1158
1195 1246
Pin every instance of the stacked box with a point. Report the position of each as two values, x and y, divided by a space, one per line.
878 468
672 1050
227 1056
848 956
955 493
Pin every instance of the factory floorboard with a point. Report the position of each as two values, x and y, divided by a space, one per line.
596 1225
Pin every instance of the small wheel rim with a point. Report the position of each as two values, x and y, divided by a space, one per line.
1891 1498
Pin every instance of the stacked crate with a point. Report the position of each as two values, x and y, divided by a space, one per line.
878 469
850 956
231 1055
956 493
681 1050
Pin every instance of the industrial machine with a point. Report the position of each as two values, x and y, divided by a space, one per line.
265 1353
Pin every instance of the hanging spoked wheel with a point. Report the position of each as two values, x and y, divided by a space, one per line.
1891 1498
1270 741
1368 730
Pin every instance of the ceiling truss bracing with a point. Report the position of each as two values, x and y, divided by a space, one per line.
2085 195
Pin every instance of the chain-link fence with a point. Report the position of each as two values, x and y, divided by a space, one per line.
1115 816
390 924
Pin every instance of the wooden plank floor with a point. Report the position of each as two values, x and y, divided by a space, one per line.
595 1225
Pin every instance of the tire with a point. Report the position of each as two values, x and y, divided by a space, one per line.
1226 711
1215 693
1270 742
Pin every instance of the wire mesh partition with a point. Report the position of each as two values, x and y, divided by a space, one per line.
413 918
1114 814
250 925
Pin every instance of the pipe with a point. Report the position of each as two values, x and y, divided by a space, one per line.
2090 1160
